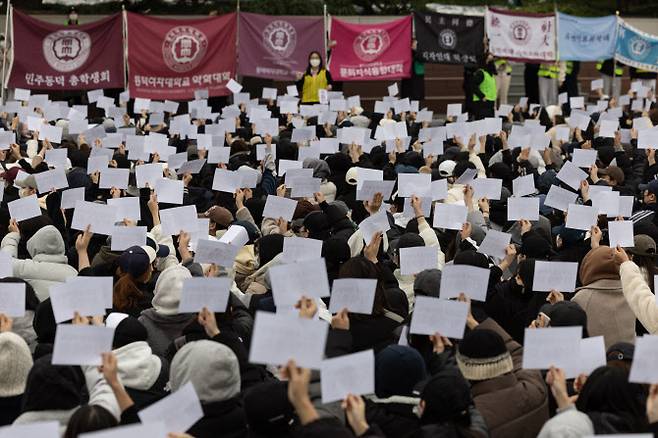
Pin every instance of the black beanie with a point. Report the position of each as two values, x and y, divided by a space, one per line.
535 246
447 397
52 387
128 331
398 369
482 355
410 240
267 408
471 258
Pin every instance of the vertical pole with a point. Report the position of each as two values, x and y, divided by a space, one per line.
326 45
614 68
237 37
124 27
4 55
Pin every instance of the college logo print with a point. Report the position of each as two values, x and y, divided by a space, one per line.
371 43
520 32
183 48
280 38
448 39
639 47
67 50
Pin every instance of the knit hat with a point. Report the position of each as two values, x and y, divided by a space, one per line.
471 258
134 261
447 397
535 246
643 245
482 355
398 369
52 387
15 363
570 423
598 264
168 289
212 368
428 283
410 240
267 408
220 215
129 330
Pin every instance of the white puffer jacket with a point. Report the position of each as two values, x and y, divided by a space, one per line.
48 265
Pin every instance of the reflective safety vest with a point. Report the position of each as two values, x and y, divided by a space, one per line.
311 86
549 71
619 71
499 62
487 87
569 67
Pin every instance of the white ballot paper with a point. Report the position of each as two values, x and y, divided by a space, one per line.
68 298
301 248
470 280
71 196
51 180
40 429
620 234
291 281
581 217
278 207
175 220
494 244
560 198
169 191
377 223
12 299
81 344
111 177
24 208
6 265
200 292
592 356
551 346
523 185
369 188
416 259
214 251
434 315
645 357
560 276
125 237
439 189
101 217
277 338
236 235
126 208
449 216
357 295
584 157
419 184
179 410
571 175
489 188
522 208
347 374
139 430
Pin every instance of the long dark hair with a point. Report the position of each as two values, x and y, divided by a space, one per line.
608 390
320 67
89 418
648 262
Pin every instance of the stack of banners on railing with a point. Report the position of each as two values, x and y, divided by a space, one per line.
278 47
56 57
373 51
449 39
170 58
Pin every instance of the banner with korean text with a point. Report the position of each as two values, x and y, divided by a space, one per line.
53 57
171 58
520 36
449 39
586 38
374 51
277 47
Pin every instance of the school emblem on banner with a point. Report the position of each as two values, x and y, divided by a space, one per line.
183 48
66 50
280 38
370 43
449 39
520 32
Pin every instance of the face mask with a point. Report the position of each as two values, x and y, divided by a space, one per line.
315 62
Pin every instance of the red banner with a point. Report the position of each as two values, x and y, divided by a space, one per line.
375 51
169 58
52 57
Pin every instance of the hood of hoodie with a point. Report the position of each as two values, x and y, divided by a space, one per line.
568 424
139 368
47 245
168 289
212 368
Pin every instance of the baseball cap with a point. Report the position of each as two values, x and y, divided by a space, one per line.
613 172
652 187
220 215
620 351
136 260
160 250
643 245
446 168
350 176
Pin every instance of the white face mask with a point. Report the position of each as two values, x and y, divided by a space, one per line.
315 62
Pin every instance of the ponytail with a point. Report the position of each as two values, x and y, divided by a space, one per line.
126 293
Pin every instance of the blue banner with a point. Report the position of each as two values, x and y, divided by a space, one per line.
636 48
586 39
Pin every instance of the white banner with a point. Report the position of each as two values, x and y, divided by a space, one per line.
521 37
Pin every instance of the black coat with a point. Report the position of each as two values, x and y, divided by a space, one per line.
10 409
394 419
224 419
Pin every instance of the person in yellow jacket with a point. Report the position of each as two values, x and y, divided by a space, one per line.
548 83
314 79
503 79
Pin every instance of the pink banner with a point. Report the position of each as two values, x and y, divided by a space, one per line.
277 47
375 51
171 58
53 57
